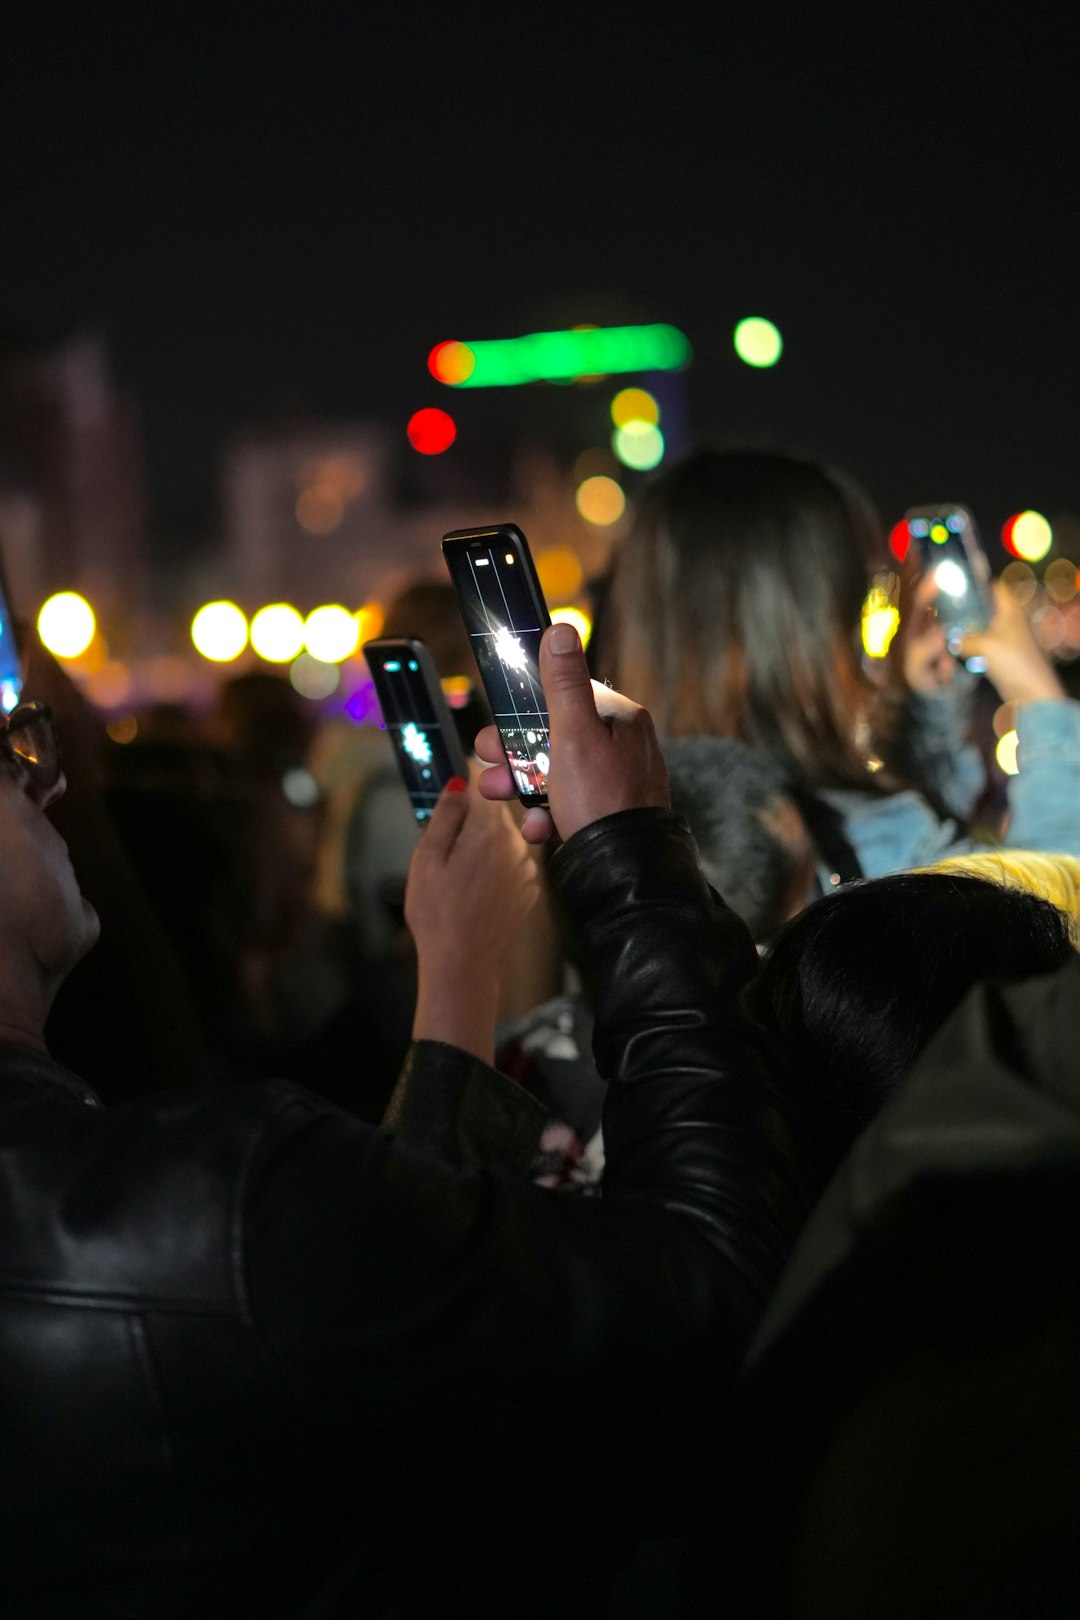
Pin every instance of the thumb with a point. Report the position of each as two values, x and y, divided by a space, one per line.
565 678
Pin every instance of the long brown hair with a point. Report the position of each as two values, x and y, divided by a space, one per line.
736 607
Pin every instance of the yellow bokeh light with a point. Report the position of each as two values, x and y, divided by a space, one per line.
369 622
66 624
277 633
580 620
1032 536
320 508
219 631
879 626
1006 753
331 633
560 572
634 405
600 500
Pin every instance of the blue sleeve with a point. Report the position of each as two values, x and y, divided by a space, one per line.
1044 798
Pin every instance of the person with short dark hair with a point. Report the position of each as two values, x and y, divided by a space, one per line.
855 986
259 1357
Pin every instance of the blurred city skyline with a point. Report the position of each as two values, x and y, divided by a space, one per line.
274 217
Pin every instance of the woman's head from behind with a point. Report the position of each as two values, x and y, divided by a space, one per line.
737 601
857 984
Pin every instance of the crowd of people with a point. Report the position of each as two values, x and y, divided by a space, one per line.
653 1205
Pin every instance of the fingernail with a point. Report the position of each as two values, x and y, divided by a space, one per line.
563 639
456 784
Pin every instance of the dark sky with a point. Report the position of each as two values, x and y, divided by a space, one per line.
267 211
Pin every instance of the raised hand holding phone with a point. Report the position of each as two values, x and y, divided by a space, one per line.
471 885
605 756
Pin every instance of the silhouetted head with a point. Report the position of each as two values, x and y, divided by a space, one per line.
858 983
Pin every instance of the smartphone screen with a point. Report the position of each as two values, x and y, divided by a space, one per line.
10 670
417 720
505 614
950 551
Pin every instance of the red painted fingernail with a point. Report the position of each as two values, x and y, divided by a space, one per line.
456 784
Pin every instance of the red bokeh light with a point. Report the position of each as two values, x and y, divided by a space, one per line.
899 540
431 431
1007 535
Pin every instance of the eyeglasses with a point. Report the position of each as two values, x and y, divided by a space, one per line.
28 745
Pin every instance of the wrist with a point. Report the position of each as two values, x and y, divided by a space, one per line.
456 1003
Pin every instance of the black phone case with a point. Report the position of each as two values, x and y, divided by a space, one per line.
506 535
425 681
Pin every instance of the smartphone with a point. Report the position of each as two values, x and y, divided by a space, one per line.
950 550
415 714
505 614
10 665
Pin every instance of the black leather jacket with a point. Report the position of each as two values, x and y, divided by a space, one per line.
251 1348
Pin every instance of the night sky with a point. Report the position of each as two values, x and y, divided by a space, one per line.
269 213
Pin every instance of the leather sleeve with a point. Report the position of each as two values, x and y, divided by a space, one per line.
449 1103
695 1117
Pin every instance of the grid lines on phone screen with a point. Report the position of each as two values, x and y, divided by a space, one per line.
505 634
419 744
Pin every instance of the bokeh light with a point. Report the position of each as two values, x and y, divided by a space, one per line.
880 622
1028 535
1048 624
451 363
1004 719
639 445
1006 753
560 572
277 633
600 500
320 508
313 678
124 729
581 351
1060 580
219 631
109 686
634 405
900 540
66 624
757 341
457 689
331 633
1019 581
580 620
431 431
369 621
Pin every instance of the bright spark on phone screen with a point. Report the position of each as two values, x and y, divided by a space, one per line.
415 743
509 650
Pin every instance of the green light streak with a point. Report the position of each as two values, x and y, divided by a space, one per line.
560 356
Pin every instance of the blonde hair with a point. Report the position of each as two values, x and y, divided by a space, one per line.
1052 877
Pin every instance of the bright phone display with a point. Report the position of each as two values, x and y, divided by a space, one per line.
949 550
10 671
421 727
505 615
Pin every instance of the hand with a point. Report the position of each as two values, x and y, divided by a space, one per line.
471 885
1015 663
926 664
604 752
